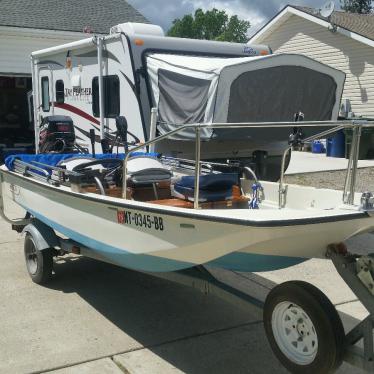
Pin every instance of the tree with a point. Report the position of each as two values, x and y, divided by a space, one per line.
211 25
357 6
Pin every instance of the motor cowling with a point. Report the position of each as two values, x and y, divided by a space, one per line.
57 135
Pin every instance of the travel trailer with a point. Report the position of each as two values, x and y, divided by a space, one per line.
137 68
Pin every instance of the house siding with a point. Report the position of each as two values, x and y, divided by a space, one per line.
16 49
356 59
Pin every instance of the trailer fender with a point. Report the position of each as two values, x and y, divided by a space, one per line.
43 235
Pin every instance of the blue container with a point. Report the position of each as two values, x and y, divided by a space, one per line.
336 145
318 147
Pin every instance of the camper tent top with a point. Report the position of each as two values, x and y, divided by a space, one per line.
136 68
190 89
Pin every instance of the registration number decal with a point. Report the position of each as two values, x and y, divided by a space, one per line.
148 221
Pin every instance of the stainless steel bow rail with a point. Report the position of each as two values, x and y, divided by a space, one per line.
349 186
60 176
39 171
14 222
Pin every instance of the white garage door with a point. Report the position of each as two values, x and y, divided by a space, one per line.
17 45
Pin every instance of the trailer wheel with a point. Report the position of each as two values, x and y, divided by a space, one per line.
304 329
39 263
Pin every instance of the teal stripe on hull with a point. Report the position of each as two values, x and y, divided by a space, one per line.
250 262
238 261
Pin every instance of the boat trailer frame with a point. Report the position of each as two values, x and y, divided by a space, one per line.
202 280
362 357
346 265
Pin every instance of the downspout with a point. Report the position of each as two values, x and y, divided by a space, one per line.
101 85
35 95
52 91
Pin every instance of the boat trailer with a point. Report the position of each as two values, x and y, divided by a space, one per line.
350 268
356 271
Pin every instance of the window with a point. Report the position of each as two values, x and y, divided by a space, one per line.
60 92
111 96
95 97
45 94
182 99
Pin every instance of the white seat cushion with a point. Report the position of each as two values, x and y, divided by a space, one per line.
145 169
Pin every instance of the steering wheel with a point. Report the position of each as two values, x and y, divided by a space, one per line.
105 161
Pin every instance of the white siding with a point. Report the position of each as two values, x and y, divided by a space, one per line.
298 35
16 47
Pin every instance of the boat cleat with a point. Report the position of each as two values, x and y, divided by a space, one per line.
367 202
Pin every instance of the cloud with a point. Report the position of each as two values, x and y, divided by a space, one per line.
257 12
163 12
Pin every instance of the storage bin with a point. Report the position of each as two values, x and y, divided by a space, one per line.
336 145
318 147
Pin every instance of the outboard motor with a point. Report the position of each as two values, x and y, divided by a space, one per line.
57 135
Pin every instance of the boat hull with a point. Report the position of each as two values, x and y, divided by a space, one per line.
145 237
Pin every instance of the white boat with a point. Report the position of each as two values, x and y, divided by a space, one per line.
168 234
158 214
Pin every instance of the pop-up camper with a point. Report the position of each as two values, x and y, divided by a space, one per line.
136 68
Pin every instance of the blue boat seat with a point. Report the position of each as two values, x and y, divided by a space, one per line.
213 187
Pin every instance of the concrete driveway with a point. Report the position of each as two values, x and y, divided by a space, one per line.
98 318
306 162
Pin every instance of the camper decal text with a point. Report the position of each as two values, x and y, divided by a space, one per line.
78 94
249 51
148 221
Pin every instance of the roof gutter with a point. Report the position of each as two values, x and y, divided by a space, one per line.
289 10
88 42
65 47
42 33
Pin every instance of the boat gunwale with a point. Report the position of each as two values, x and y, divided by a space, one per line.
228 220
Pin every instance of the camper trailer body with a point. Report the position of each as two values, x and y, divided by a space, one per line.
101 77
123 60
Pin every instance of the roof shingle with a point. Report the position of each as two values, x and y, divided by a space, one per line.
68 15
362 24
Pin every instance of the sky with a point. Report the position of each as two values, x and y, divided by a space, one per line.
257 12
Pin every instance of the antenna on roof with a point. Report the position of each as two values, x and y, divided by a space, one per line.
327 9
87 30
326 12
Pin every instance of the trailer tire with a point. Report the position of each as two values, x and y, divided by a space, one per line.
304 329
39 263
